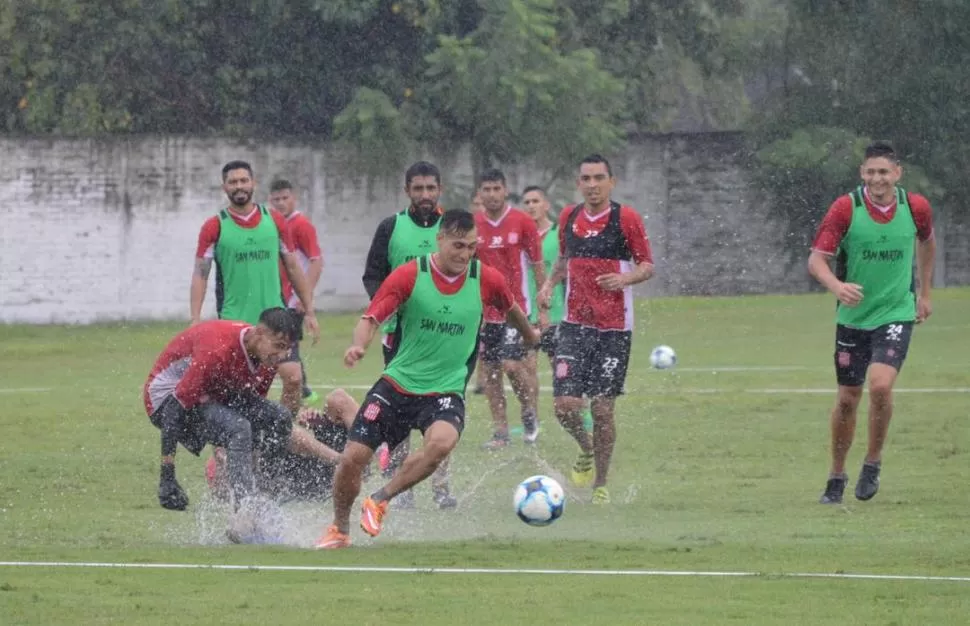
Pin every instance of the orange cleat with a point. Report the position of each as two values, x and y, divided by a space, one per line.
332 539
371 514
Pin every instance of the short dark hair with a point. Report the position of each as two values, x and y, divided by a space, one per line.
422 168
236 165
457 222
280 184
881 149
491 175
533 188
282 322
597 158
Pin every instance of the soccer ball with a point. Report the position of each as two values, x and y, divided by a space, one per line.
663 357
539 500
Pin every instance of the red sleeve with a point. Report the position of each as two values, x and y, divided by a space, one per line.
636 235
834 226
563 218
922 216
265 382
286 238
495 291
393 292
305 239
530 239
208 236
191 387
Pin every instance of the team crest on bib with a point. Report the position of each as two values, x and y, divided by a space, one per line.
372 411
513 238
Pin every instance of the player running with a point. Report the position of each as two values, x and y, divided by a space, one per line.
604 252
509 242
871 232
439 299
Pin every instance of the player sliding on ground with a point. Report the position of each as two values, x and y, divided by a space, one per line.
439 300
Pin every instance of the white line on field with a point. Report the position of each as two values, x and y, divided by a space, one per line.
708 390
485 571
673 391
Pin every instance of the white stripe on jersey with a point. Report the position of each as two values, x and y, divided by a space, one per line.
163 385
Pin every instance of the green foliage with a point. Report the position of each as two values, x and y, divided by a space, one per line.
509 89
371 125
519 79
804 172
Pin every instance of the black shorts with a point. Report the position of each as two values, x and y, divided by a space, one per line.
271 423
548 340
501 342
856 349
388 416
294 355
590 362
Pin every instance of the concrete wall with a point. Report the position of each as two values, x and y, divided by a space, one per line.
98 230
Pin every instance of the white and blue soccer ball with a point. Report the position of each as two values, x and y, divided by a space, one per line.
539 500
663 357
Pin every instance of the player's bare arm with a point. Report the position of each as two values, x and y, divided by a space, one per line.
557 276
517 319
925 259
200 280
303 291
849 294
615 281
364 334
313 273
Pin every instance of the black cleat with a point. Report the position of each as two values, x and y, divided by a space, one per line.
444 499
834 489
868 484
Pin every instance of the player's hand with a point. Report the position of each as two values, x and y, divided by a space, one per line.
611 282
849 294
532 338
352 355
544 297
924 308
543 319
170 493
312 327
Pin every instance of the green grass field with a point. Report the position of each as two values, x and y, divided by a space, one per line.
718 469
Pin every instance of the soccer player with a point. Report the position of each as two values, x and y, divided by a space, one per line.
479 388
439 299
509 242
399 239
872 232
247 242
208 386
294 476
306 248
536 204
604 252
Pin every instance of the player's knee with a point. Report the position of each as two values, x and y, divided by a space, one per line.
239 435
290 374
848 399
356 456
339 402
439 440
566 405
880 390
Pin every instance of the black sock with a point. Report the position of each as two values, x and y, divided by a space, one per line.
380 496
